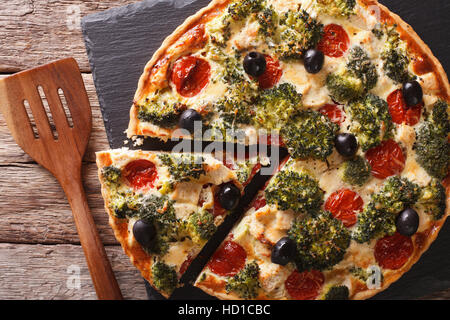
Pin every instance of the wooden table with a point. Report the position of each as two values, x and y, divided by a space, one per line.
40 252
39 246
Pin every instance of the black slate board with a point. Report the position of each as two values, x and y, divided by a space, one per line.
119 43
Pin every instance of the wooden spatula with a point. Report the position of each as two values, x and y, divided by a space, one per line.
59 148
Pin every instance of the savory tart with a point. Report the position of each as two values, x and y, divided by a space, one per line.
361 105
164 207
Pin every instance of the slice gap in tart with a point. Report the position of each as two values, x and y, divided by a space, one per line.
164 207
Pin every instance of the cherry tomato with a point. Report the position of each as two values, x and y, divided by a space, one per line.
190 75
386 160
344 204
141 173
272 75
259 202
392 252
400 113
334 42
334 112
305 285
228 260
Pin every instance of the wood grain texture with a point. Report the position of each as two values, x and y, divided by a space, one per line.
40 31
60 150
37 32
38 211
41 272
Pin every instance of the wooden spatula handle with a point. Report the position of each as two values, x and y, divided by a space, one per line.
101 272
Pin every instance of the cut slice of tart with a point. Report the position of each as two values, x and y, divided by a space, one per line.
164 207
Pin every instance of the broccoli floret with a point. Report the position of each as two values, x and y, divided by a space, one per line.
221 130
337 293
268 21
183 167
373 223
378 217
160 212
378 31
431 146
396 195
309 135
355 171
236 106
111 175
321 241
298 33
363 274
439 117
292 190
395 65
359 65
343 86
157 208
164 277
359 273
277 106
241 9
395 59
161 110
371 120
124 204
232 71
220 31
246 282
337 8
200 226
358 76
432 199
244 170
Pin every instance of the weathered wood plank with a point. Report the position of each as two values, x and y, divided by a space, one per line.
34 209
39 31
45 271
11 153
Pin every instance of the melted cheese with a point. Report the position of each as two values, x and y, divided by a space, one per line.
179 252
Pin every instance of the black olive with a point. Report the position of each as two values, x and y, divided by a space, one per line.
412 93
144 233
313 60
284 251
229 196
188 119
407 222
255 64
346 144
